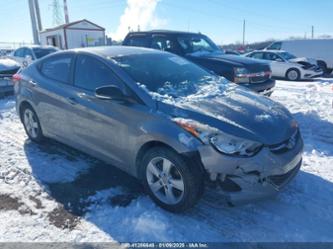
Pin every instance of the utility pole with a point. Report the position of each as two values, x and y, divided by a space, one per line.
244 32
39 20
33 21
312 32
66 12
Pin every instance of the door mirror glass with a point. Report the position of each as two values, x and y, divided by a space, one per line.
110 92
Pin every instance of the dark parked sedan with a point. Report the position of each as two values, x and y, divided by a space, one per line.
164 120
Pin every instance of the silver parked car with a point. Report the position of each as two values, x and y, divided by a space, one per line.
164 120
26 55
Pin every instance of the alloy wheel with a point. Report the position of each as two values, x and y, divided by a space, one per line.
165 180
31 123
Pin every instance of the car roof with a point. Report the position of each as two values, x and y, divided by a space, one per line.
37 46
268 51
114 51
162 31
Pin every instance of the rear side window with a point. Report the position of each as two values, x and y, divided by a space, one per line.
138 41
90 73
57 67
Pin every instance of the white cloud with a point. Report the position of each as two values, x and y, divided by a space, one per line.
138 13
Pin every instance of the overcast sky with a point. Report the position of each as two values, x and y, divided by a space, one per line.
222 20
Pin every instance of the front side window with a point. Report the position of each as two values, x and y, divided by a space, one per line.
172 76
90 73
27 52
57 67
257 56
197 43
19 52
163 43
272 57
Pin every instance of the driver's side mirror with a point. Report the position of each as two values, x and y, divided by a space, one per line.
110 92
278 60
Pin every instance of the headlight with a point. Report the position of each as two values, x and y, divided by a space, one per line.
235 146
222 142
241 75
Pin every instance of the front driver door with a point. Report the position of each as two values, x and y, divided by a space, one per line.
101 126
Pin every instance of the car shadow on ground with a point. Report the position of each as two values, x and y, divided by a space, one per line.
224 221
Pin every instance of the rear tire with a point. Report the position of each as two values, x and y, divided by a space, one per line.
169 180
293 74
31 124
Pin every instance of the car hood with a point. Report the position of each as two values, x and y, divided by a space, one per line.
304 59
238 112
231 59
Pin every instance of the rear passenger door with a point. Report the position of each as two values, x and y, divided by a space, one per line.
54 92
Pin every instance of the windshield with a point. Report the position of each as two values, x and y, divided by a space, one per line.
41 52
197 43
286 55
168 75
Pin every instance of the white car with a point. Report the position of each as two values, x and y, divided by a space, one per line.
319 49
25 55
286 65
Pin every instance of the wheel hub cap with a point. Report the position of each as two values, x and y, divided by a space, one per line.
165 180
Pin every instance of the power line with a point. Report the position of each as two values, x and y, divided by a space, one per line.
57 13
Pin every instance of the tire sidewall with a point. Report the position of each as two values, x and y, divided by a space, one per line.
295 70
191 182
40 135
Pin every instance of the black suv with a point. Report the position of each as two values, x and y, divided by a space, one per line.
200 49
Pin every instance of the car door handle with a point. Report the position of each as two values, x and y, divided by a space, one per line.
32 83
72 100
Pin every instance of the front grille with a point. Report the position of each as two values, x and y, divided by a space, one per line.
286 145
259 79
281 180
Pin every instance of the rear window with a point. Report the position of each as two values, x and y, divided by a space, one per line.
57 67
138 41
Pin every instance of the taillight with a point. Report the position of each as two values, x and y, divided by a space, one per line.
16 77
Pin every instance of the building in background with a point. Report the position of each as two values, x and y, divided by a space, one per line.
82 33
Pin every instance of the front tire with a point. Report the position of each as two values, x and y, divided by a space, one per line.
169 180
293 74
323 66
31 124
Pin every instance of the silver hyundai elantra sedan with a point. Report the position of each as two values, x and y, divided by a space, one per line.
163 119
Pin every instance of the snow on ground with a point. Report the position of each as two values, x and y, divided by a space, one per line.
54 193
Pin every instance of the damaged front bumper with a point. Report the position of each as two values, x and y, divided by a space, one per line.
312 73
242 180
